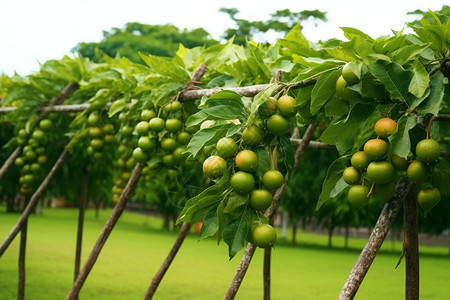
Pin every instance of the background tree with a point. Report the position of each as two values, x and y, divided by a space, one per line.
281 22
443 14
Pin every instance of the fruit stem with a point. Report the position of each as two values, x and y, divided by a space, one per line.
363 178
371 190
274 159
259 218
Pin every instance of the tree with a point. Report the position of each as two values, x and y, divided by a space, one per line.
161 40
282 21
443 15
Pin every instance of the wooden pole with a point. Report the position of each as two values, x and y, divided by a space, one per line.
9 161
22 252
170 257
107 228
34 198
375 241
411 245
83 197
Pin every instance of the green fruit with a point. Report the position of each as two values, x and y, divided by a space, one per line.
156 124
28 178
264 236
108 129
242 182
348 74
246 160
342 91
26 169
173 125
399 163
287 106
178 154
183 138
23 133
252 136
142 128
417 172
98 155
40 150
130 163
19 161
384 127
35 167
109 139
168 144
40 136
273 179
384 192
268 108
45 124
147 114
351 175
173 106
360 160
168 160
376 149
126 130
42 159
21 141
428 198
278 125
146 143
260 199
97 144
30 156
93 118
90 150
214 166
226 147
380 172
139 155
357 195
95 132
428 151
33 143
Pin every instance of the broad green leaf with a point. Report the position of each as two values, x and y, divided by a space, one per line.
259 99
225 112
324 88
210 223
165 67
208 197
408 53
433 104
235 201
400 143
196 119
235 233
351 33
263 161
116 107
441 175
304 94
420 81
334 174
395 79
206 137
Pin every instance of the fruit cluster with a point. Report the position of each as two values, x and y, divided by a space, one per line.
101 134
33 155
238 153
372 164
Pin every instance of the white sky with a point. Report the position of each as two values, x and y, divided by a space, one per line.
33 31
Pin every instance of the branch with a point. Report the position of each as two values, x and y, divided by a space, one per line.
270 214
34 198
248 91
170 257
375 241
314 144
8 163
107 228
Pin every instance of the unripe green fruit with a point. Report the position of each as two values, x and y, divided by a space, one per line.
142 128
40 136
109 139
35 167
226 147
349 75
214 166
376 149
252 136
168 144
384 192
183 138
126 130
90 151
351 175
242 182
156 124
342 91
428 198
93 118
45 124
95 132
385 127
23 133
357 195
417 172
173 125
380 172
428 150
260 199
19 161
278 125
98 155
178 154
268 108
264 236
42 159
108 129
287 106
139 155
147 114
399 163
40 150
359 160
272 179
97 144
146 143
28 178
30 156
246 160
168 160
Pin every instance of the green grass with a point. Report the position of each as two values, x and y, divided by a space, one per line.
201 270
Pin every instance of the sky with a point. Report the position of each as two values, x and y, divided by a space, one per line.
32 32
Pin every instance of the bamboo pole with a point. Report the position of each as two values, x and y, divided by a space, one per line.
411 245
9 161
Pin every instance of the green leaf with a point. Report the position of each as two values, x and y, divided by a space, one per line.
433 104
116 107
166 67
225 112
441 175
263 161
235 201
259 99
210 223
234 233
408 53
334 174
323 89
395 79
196 119
420 80
206 137
400 143
206 198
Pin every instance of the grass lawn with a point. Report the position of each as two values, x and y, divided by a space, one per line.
201 270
